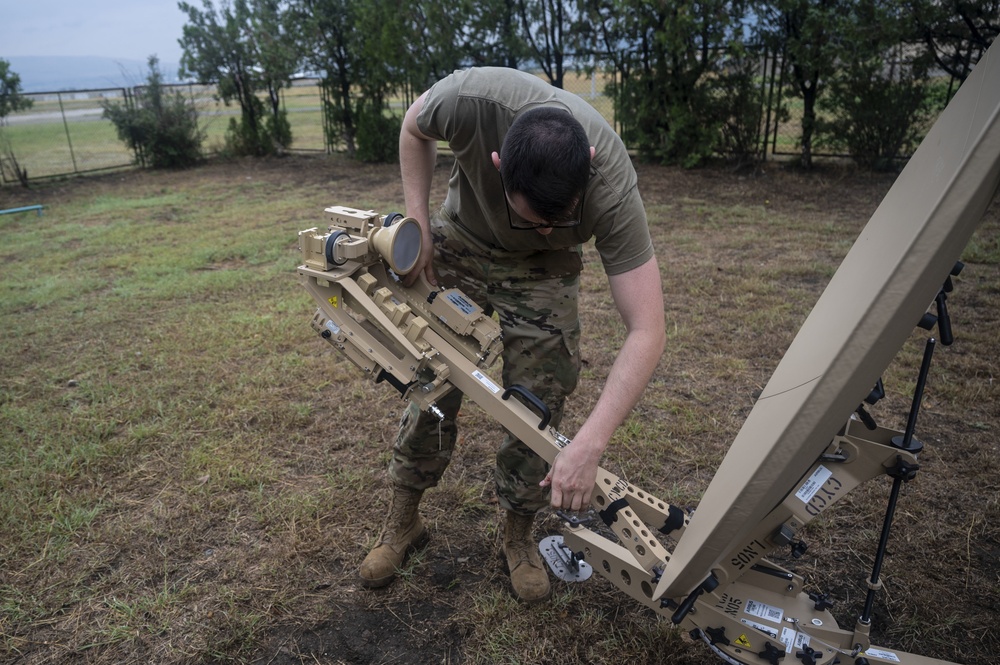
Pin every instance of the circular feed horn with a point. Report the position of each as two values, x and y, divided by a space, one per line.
399 244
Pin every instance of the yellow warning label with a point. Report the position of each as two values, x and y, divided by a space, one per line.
743 641
333 301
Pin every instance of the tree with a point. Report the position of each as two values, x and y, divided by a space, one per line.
665 81
328 35
245 48
373 50
802 31
602 30
272 42
159 127
11 100
493 37
445 35
956 32
547 27
381 62
437 43
877 96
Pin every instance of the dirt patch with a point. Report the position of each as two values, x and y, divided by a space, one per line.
401 632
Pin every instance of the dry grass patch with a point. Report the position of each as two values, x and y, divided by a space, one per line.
189 475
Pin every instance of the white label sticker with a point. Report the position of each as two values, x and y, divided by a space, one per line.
332 327
485 380
812 485
458 299
793 640
767 630
762 611
884 655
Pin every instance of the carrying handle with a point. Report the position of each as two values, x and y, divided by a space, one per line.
532 401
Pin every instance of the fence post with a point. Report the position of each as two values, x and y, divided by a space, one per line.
129 95
768 99
62 111
781 92
324 107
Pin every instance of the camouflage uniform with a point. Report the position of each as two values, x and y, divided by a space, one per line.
534 293
529 279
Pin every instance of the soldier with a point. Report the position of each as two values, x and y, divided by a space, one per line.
537 173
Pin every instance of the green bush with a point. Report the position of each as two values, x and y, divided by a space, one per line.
161 128
377 135
877 112
248 136
668 125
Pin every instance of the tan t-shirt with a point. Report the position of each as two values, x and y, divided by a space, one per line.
472 109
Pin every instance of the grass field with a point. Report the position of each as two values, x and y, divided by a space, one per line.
189 475
51 145
64 133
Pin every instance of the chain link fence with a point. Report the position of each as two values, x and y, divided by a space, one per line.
62 133
65 133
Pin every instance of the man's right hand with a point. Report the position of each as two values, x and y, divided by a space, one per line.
425 262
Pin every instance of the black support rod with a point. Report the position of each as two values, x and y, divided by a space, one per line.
900 473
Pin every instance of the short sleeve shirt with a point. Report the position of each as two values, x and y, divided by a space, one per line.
471 111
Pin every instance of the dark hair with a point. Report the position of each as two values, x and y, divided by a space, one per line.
545 158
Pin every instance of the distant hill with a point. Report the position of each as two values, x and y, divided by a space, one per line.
57 73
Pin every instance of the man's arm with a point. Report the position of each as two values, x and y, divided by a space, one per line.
639 299
417 155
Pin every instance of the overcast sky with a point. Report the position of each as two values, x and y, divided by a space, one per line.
124 29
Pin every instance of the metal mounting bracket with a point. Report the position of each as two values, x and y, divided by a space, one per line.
562 562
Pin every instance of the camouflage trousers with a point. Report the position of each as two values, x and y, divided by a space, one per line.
534 295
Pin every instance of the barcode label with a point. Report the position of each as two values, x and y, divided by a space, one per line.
485 380
884 655
793 639
762 611
812 485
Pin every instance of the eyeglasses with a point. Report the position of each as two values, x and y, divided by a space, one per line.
524 225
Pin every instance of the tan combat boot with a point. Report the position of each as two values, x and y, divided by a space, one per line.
402 533
527 572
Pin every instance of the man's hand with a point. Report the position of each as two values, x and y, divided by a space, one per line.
424 264
572 477
639 300
417 154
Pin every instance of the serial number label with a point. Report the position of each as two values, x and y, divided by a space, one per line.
763 611
485 380
813 484
819 491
